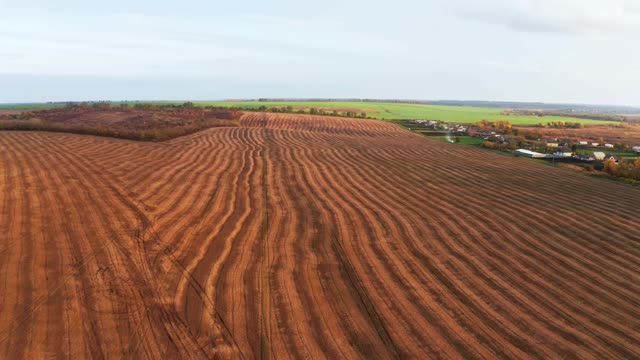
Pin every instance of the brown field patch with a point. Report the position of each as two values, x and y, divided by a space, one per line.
12 112
155 123
626 133
295 236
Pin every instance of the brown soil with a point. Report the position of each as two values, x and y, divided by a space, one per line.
12 112
155 123
295 236
626 133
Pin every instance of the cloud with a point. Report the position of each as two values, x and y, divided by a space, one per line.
136 44
554 16
413 49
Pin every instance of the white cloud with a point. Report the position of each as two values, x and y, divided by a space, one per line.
489 49
53 43
568 16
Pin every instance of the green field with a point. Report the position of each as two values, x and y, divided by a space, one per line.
29 106
626 154
396 111
464 140
386 111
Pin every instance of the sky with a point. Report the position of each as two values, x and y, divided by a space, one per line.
558 51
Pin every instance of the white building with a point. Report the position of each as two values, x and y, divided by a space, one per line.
599 155
563 152
529 153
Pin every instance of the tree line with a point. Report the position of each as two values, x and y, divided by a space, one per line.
623 169
311 111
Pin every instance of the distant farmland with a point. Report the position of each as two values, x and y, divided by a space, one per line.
150 123
383 111
396 111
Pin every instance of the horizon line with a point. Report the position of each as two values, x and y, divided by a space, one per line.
326 99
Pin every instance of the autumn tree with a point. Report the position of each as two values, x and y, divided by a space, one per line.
610 166
635 170
623 170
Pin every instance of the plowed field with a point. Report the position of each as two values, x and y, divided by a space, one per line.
628 133
308 237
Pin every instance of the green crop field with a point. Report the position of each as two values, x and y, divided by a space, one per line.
384 111
464 140
396 111
29 106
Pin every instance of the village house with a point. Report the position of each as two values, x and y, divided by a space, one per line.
582 157
610 146
457 129
552 143
612 157
599 155
430 124
500 139
563 152
583 143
